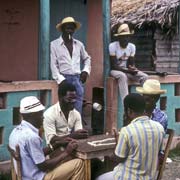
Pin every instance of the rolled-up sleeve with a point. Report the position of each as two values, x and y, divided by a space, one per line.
49 127
86 60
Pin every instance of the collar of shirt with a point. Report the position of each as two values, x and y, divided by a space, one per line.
60 110
141 118
62 41
29 125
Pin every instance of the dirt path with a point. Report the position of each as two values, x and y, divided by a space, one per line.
172 171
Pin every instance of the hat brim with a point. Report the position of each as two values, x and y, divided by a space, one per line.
124 33
154 92
59 26
33 110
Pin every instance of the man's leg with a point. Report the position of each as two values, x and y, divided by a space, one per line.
106 176
122 82
71 170
74 79
139 77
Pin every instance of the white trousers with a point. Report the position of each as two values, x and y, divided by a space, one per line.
122 78
106 176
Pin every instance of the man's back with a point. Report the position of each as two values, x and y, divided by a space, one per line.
142 140
26 136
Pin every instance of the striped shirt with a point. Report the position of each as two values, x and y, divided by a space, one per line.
140 143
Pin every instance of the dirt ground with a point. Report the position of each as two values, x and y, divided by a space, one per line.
172 171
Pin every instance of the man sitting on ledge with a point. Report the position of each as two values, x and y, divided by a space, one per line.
122 64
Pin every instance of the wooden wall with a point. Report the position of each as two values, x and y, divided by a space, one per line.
143 39
95 46
167 53
19 21
153 52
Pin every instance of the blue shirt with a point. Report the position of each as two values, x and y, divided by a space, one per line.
160 116
31 150
139 143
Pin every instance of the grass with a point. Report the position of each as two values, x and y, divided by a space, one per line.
5 176
174 154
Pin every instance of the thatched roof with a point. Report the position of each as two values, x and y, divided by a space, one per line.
163 13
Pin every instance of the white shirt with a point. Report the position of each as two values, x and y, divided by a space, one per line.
123 53
55 122
63 63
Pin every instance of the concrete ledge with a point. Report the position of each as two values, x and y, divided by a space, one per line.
5 166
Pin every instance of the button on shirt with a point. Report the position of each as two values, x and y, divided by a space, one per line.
31 150
140 143
122 53
55 122
63 63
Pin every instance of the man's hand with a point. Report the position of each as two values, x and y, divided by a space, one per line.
71 147
132 70
83 76
62 83
61 142
79 134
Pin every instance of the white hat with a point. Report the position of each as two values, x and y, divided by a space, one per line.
68 20
151 86
30 104
123 30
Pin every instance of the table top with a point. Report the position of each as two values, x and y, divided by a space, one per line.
86 150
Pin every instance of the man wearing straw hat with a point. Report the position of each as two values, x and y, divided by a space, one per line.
151 91
69 59
122 54
34 163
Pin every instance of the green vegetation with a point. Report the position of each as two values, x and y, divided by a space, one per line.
5 176
174 154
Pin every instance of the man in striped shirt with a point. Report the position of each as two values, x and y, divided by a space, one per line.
138 145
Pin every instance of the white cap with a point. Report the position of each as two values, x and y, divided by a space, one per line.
30 104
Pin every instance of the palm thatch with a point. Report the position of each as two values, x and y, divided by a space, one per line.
161 13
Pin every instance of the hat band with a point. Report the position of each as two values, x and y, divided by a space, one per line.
32 106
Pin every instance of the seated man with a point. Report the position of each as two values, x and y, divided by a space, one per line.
151 91
138 145
34 163
122 64
62 121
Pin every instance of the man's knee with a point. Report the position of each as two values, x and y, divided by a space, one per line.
119 75
79 163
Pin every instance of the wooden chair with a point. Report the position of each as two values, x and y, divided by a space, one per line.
170 134
15 154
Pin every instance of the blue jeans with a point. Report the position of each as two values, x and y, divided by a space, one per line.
75 80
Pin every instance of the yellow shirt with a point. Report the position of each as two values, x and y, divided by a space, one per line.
140 143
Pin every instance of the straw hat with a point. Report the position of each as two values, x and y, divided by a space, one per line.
151 86
68 20
123 30
30 104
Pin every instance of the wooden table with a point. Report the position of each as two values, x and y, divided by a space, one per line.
87 152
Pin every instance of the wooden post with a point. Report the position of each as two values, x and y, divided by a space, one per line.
112 103
43 67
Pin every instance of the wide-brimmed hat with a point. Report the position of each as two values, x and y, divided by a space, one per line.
151 86
30 104
123 30
68 20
